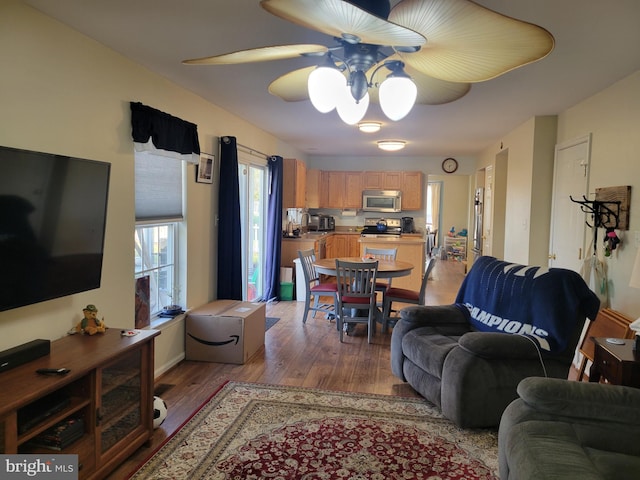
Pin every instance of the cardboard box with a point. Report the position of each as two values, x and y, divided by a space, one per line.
224 331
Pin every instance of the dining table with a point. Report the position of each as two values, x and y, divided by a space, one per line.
386 269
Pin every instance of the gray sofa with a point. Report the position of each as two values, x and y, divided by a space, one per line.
563 430
460 357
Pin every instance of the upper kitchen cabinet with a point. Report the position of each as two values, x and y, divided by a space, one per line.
313 188
340 189
411 190
294 183
352 190
382 180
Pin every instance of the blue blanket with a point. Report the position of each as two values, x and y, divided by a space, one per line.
542 303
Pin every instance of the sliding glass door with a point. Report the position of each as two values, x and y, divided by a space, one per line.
253 214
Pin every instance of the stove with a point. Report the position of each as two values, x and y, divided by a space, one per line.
394 227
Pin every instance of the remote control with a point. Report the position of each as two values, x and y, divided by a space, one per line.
53 371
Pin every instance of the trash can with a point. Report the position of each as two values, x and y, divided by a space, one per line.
286 291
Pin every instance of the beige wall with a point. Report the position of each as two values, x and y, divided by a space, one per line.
613 118
61 92
530 150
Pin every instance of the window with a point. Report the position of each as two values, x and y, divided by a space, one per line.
156 254
158 220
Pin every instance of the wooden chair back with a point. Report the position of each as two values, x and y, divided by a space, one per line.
608 323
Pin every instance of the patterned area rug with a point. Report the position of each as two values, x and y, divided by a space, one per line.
253 431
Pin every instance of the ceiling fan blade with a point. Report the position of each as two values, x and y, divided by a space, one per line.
467 42
342 19
431 91
262 54
292 86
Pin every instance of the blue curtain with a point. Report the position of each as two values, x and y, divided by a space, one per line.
230 242
274 231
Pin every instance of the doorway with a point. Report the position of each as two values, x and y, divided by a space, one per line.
252 175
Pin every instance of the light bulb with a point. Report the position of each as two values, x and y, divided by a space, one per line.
325 85
397 96
351 112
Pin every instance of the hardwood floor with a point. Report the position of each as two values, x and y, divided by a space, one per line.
294 354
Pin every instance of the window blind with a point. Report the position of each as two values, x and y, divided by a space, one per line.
158 188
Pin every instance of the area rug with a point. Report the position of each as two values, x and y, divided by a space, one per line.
253 431
270 322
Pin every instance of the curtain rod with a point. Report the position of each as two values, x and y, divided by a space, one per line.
250 151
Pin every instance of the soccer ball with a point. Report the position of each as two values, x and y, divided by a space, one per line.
159 411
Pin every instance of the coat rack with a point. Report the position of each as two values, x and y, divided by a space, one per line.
601 214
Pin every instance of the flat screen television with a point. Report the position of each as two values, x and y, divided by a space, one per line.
53 211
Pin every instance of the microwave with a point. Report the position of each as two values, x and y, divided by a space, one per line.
388 201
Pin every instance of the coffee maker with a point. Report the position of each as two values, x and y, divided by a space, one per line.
408 225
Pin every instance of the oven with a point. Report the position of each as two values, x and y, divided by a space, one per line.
381 227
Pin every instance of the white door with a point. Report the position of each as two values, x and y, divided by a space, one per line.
571 174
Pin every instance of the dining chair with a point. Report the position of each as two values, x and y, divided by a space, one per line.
315 288
356 292
405 295
381 254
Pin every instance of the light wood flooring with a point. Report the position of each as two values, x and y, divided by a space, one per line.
294 354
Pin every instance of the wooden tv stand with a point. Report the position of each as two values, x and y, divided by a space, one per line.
109 386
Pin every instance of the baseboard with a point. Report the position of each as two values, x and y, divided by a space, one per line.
168 365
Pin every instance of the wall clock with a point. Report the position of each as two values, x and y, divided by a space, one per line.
449 165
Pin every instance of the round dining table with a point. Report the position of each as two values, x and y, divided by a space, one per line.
386 268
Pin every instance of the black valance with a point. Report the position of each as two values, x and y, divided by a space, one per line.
166 131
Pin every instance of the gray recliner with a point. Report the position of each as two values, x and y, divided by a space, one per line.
560 429
509 322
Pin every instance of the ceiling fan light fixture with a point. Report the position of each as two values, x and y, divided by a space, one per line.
350 110
325 85
369 127
391 145
397 93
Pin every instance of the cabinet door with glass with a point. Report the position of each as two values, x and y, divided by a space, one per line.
121 409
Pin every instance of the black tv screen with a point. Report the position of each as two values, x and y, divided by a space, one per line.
53 211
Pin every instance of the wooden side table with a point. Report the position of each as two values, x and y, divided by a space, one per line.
618 364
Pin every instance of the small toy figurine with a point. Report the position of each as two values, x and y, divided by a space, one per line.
90 323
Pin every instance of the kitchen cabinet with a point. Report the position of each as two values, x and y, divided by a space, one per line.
109 387
382 180
352 190
331 246
411 190
313 189
409 250
341 189
294 183
332 189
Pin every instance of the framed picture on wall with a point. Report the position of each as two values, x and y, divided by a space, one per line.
204 170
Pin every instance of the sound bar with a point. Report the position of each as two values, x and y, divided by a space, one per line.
24 353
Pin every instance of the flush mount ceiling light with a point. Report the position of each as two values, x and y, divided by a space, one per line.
369 127
391 145
434 49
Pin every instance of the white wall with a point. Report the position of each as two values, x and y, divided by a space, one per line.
61 92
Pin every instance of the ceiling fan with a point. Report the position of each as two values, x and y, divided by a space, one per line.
420 51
